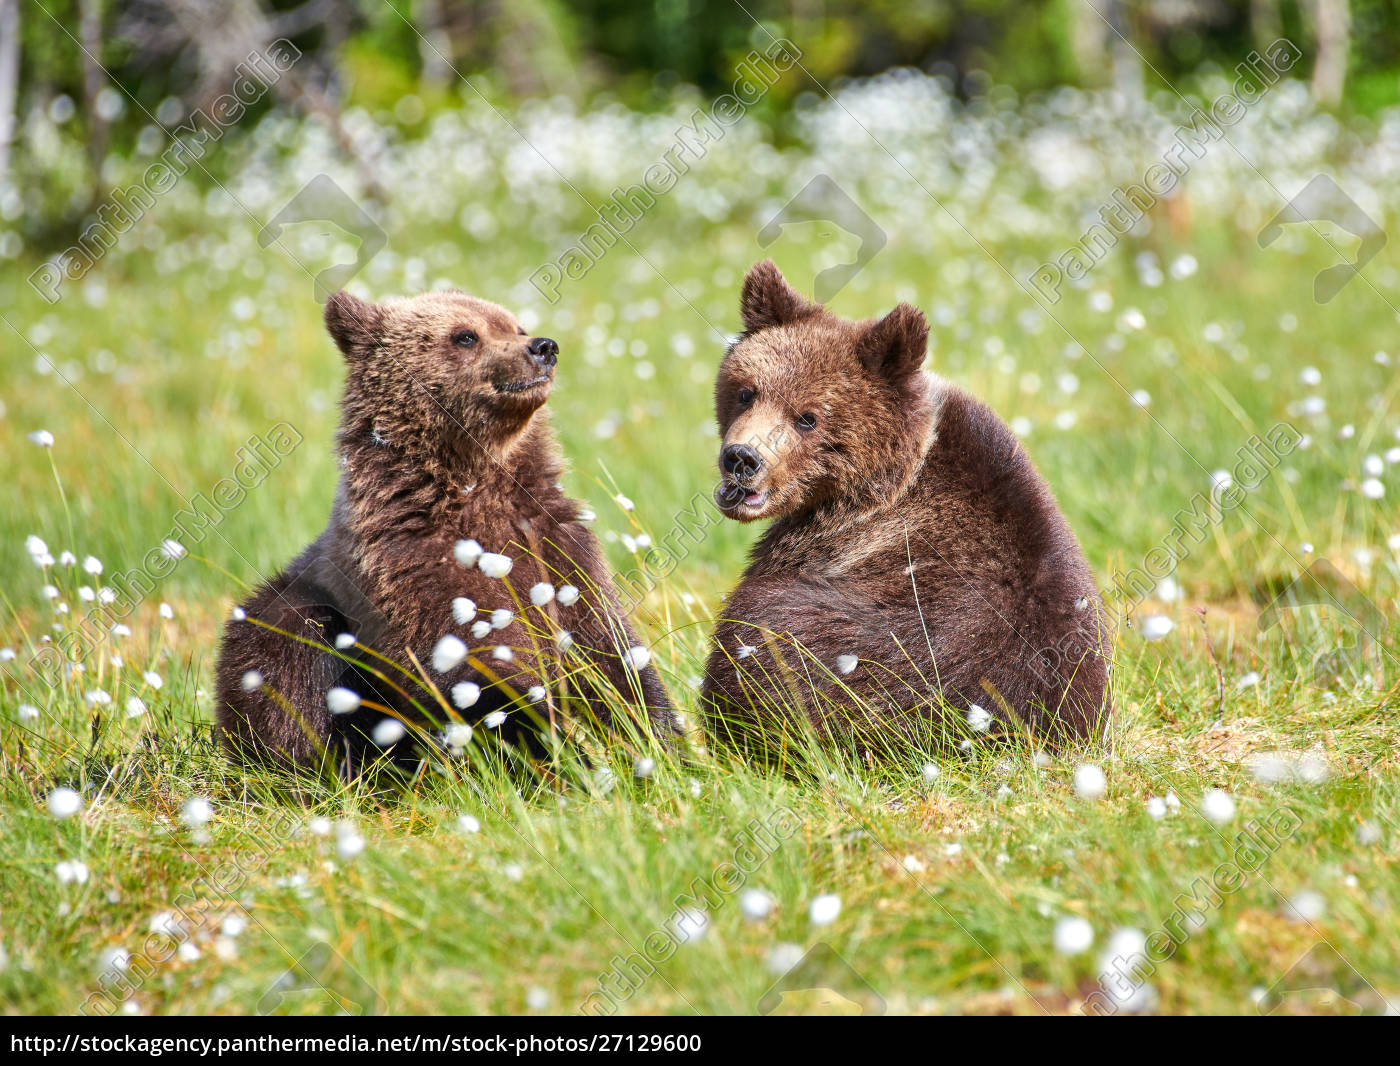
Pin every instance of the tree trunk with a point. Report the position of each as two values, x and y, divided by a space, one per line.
90 31
9 82
1332 28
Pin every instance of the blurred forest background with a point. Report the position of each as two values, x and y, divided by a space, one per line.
71 69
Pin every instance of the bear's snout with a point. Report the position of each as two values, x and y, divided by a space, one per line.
544 351
740 462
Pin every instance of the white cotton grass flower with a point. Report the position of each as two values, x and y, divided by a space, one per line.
320 826
1305 906
1157 626
480 628
172 549
463 610
7 655
537 998
846 663
252 680
1373 465
755 904
135 707
541 593
930 772
153 679
567 595
35 546
238 614
93 565
978 720
690 924
349 844
121 630
341 700
71 872
643 767
535 693
467 552
41 438
469 823
457 735
1372 488
1073 935
502 617
388 731
27 712
824 909
1089 782
494 720
167 612
344 641
197 812
501 653
448 653
98 697
637 657
465 694
625 503
782 957
1156 807
1218 806
563 640
67 558
493 565
64 803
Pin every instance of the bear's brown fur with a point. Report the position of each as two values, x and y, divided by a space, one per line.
911 532
443 437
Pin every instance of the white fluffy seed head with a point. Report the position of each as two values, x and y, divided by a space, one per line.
1217 805
1073 935
847 663
465 694
494 720
252 681
643 767
541 593
755 904
978 720
458 734
448 653
196 812
564 640
637 657
467 552
567 595
388 731
493 565
503 654
463 610
1089 781
64 803
342 700
480 628
824 909
502 617
345 641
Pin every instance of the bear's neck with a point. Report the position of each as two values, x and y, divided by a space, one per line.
426 476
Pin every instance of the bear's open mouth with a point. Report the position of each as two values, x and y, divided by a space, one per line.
732 497
521 386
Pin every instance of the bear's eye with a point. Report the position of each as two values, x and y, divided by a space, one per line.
745 397
464 338
806 420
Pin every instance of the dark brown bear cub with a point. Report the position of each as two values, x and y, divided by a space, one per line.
916 561
450 543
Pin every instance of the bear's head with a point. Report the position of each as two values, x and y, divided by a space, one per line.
443 365
814 408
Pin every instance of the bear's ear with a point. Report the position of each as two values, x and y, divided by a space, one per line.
768 300
894 347
352 323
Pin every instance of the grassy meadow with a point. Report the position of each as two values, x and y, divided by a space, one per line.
1242 835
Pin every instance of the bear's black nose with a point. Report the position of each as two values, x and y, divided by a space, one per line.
740 461
544 351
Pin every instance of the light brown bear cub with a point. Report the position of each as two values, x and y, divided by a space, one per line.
915 560
449 476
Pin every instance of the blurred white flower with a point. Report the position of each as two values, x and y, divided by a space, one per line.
493 565
341 700
1073 935
448 653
